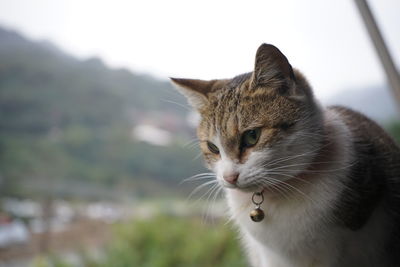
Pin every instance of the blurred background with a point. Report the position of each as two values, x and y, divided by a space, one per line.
95 142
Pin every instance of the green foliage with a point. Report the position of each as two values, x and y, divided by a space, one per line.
164 242
394 130
51 261
171 241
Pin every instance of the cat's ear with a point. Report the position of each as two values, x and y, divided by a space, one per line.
195 91
272 67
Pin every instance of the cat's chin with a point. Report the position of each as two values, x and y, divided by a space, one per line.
271 190
246 189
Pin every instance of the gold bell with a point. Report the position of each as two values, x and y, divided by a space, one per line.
257 215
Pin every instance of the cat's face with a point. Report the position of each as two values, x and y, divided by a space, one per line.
257 129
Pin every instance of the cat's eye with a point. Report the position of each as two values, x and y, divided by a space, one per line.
213 148
250 137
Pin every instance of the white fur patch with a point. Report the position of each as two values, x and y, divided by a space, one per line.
224 165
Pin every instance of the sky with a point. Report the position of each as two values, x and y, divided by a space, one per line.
210 39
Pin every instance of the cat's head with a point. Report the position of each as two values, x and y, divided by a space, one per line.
259 128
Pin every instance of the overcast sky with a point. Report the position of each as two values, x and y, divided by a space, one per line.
213 38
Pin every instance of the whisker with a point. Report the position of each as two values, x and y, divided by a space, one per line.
266 183
283 159
319 171
303 164
290 176
176 103
199 176
215 188
192 140
293 187
216 193
191 143
198 188
197 156
196 179
280 189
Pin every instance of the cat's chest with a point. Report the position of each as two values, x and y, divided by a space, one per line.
294 230
282 227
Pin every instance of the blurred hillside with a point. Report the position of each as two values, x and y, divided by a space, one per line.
67 126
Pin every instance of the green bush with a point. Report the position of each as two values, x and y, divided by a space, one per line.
167 241
163 242
394 130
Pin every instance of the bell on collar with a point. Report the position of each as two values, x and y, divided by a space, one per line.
257 215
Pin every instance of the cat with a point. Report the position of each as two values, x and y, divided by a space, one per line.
329 176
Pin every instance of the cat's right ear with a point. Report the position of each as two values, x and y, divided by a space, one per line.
195 91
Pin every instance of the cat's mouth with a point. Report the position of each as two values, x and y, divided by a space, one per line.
268 186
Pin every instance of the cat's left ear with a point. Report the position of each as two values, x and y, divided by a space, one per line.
273 68
195 91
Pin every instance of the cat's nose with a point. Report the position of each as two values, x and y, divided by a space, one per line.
231 177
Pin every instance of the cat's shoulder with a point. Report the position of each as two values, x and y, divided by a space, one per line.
363 128
351 117
373 168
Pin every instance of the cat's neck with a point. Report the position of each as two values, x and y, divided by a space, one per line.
334 149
